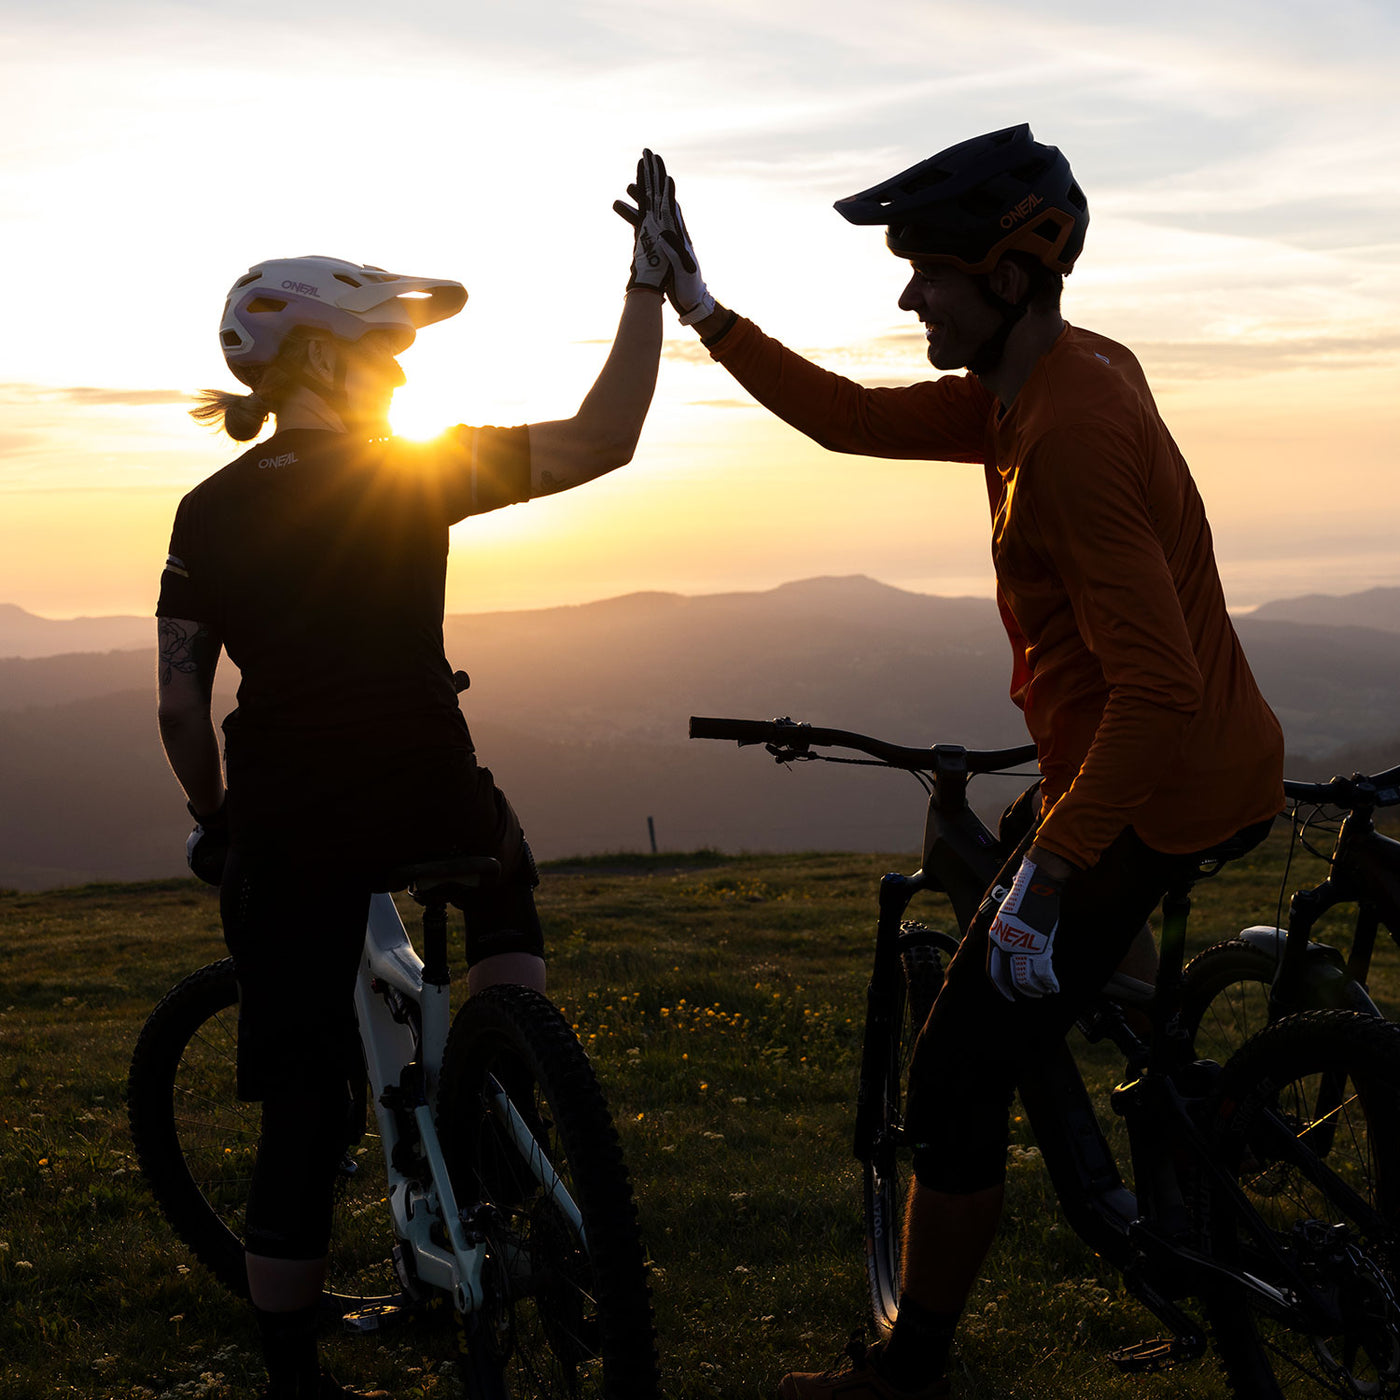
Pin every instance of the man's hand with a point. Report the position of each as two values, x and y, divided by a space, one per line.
651 265
688 292
206 850
1022 936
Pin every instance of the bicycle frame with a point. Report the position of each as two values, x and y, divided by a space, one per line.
403 1063
1365 871
1146 1234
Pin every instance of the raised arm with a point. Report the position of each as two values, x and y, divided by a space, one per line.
942 420
603 434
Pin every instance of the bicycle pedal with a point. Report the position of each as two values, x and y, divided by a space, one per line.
374 1318
1155 1354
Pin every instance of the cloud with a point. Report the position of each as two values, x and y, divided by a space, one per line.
689 351
85 396
1211 358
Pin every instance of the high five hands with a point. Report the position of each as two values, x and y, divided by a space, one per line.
663 258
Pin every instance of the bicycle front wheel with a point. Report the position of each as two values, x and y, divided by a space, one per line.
1306 1120
196 1142
526 1130
1225 998
887 1171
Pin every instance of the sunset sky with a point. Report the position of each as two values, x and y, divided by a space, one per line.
1240 159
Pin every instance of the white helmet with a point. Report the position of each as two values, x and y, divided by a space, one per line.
342 299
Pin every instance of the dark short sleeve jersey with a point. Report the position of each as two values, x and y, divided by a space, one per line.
321 562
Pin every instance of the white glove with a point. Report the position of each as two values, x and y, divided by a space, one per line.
1021 940
684 285
651 265
206 849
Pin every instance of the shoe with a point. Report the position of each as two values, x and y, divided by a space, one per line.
860 1380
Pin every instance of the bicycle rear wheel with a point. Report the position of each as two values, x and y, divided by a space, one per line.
887 1171
525 1128
1321 1170
196 1142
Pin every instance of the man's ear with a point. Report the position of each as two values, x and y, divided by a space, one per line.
1010 281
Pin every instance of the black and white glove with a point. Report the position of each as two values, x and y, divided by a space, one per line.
1021 940
651 266
206 850
656 195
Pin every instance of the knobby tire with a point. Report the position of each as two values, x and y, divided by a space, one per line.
1326 1186
196 1141
561 1319
887 1173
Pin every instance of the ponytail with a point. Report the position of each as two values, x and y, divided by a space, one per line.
244 415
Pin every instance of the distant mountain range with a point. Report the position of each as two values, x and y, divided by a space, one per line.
24 634
581 712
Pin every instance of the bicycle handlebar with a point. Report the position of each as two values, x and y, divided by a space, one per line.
1379 790
789 736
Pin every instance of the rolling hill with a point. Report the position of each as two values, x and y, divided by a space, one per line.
581 712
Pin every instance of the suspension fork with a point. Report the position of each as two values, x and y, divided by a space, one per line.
881 1005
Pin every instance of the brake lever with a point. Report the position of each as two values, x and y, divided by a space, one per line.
786 753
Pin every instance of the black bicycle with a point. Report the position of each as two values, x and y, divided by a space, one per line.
1265 972
1258 1215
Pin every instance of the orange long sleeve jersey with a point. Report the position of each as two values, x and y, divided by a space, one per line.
1132 680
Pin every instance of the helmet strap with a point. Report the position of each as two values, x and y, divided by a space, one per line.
988 355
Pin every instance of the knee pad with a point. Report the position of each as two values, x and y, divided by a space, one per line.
503 919
959 1127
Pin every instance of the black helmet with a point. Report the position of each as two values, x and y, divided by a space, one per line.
977 200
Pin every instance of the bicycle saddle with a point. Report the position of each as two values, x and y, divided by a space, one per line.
447 880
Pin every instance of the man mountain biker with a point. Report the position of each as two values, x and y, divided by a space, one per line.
317 560
1154 741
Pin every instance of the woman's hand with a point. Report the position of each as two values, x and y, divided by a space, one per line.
661 231
651 264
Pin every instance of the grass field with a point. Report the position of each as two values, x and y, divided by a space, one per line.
720 999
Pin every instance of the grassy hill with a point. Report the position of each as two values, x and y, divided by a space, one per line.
721 999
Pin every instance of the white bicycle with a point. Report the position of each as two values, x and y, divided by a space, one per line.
487 1187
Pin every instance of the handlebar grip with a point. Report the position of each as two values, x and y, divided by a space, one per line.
746 731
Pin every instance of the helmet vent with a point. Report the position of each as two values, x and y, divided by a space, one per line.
230 340
925 180
1030 171
251 277
349 281
266 304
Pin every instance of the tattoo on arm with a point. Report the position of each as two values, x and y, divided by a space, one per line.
188 649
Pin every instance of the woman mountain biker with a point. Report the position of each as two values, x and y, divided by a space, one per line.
1154 740
317 560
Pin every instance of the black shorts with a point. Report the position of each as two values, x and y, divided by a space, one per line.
295 901
972 1049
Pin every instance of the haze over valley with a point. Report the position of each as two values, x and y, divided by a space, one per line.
582 712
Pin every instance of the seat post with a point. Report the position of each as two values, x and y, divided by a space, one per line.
1169 1041
435 970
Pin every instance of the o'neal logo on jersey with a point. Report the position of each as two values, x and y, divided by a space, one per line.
284 460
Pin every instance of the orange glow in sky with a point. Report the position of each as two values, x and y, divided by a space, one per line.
1237 161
